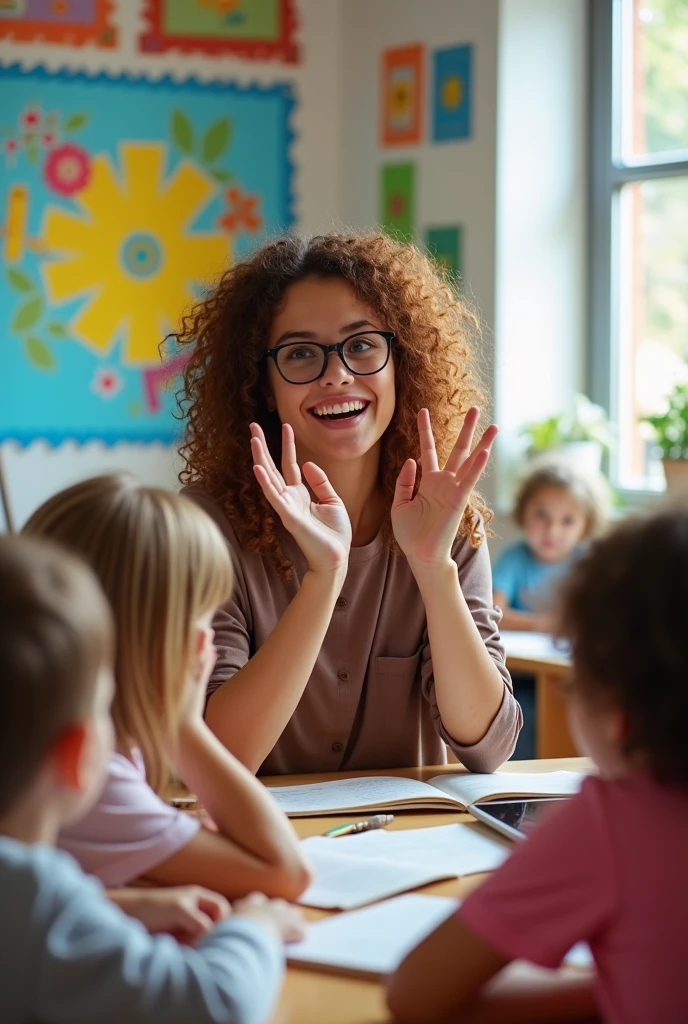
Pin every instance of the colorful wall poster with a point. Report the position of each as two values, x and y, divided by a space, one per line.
70 22
253 29
402 95
445 245
397 200
452 96
120 200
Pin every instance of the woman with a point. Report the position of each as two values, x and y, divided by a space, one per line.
361 633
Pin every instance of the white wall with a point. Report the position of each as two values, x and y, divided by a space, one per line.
36 472
541 219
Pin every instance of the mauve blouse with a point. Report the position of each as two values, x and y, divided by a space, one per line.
370 701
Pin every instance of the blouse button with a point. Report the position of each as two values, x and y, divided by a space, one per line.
337 748
340 602
343 674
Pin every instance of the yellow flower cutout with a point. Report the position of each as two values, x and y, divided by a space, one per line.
131 249
400 98
452 92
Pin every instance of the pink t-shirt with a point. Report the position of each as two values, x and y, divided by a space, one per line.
129 830
609 867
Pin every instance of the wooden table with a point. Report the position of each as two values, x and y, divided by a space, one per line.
535 654
310 997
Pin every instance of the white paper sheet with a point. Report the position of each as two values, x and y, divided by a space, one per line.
469 788
524 644
368 791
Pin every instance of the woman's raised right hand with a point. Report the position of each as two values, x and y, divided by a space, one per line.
321 528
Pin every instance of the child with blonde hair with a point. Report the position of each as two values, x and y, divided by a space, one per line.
557 509
608 867
69 954
165 569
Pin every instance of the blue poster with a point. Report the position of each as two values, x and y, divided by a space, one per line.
452 94
121 200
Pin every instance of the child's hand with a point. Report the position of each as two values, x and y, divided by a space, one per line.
280 917
186 912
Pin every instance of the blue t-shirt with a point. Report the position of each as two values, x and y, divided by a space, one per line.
527 583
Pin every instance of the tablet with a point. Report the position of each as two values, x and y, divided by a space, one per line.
513 818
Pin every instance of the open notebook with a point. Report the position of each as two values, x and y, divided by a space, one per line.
358 869
442 793
373 941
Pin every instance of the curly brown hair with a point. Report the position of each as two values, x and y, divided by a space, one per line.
624 610
223 390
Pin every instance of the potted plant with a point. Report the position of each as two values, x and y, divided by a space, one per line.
671 436
579 437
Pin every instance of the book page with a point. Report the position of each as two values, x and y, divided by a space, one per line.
458 849
372 941
343 794
469 788
343 879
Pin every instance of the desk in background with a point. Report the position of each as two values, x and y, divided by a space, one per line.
310 997
536 654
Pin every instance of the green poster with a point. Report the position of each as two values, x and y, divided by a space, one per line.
244 19
397 198
445 245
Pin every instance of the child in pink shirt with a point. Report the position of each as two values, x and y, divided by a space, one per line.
164 567
609 866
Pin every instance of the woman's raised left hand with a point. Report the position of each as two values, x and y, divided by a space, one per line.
425 525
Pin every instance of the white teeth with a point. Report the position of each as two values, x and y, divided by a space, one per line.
339 408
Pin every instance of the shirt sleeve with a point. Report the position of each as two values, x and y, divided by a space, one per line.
129 830
497 745
505 575
556 889
93 963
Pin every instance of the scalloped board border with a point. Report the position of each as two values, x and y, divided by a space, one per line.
155 40
101 31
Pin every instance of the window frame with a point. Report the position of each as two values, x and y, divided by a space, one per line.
607 174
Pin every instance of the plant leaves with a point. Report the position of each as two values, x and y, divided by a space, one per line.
31 154
39 354
221 175
28 314
75 121
58 330
182 131
216 140
19 280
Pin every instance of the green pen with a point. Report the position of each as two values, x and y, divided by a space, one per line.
377 821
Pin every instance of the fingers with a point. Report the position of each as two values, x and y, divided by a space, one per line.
428 455
473 474
406 480
316 478
290 467
271 492
484 445
262 457
462 446
214 905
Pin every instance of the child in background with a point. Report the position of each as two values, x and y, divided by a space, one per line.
165 569
69 954
557 510
609 866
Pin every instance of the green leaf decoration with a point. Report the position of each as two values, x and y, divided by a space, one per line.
32 154
58 330
39 354
182 131
28 314
221 175
216 140
74 122
22 282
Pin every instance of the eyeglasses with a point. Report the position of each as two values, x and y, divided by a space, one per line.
302 362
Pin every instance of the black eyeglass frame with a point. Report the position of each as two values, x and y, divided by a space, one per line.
389 336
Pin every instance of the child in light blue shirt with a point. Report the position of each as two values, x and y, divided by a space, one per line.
557 510
68 952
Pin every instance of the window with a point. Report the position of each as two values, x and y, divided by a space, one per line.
639 221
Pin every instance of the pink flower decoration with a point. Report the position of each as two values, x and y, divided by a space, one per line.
67 169
49 139
11 145
107 383
31 118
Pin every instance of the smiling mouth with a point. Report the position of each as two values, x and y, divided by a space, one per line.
339 411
